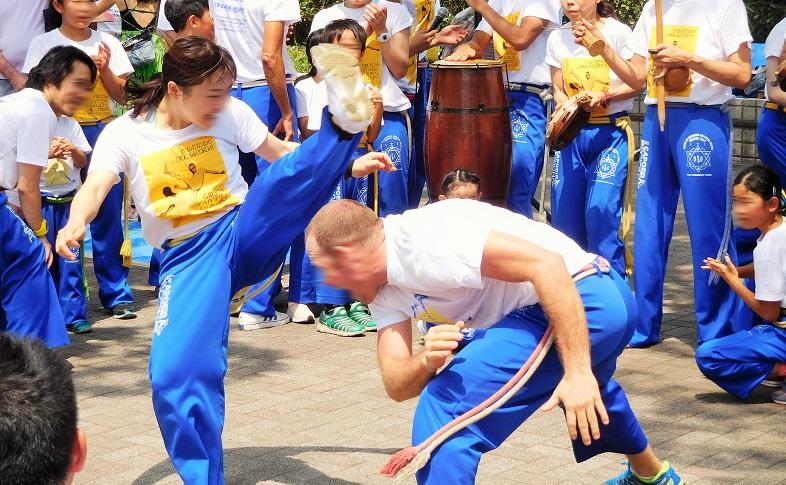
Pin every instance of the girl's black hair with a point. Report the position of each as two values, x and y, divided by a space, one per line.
331 33
336 28
314 38
189 62
458 177
56 65
764 182
606 9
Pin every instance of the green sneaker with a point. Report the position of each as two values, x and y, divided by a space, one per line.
337 322
80 327
359 313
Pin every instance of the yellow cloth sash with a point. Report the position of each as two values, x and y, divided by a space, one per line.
425 15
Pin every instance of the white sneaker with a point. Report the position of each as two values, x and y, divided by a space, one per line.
299 313
251 321
347 95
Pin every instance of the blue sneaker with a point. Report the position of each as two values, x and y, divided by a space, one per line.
666 477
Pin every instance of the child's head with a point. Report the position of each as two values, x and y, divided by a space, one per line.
38 416
348 34
461 184
757 195
190 17
74 13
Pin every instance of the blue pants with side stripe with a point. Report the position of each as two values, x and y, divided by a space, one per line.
692 154
740 361
485 364
528 124
588 183
198 278
68 276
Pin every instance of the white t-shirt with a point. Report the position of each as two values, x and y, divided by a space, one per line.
27 124
398 19
115 27
527 66
98 106
60 176
773 46
185 179
582 72
163 22
20 21
433 264
712 29
311 99
240 29
769 264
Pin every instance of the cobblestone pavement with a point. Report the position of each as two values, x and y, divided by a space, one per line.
309 408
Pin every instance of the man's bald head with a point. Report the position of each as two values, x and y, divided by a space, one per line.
344 223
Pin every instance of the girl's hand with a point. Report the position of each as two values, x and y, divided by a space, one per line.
68 238
726 270
375 96
371 162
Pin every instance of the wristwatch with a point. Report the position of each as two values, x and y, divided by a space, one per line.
383 37
43 230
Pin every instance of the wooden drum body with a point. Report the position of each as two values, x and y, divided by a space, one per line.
468 126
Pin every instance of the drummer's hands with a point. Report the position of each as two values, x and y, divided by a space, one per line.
578 394
68 238
376 18
370 163
464 52
440 342
451 35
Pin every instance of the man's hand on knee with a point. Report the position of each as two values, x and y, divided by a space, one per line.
440 342
579 396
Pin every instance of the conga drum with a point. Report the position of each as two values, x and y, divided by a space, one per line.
468 126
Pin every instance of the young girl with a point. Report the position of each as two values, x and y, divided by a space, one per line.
179 149
461 184
741 361
341 315
589 174
73 18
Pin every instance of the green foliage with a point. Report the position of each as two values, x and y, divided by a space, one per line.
297 53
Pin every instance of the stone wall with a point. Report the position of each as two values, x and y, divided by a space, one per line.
745 114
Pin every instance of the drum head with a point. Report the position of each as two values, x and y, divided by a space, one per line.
473 64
